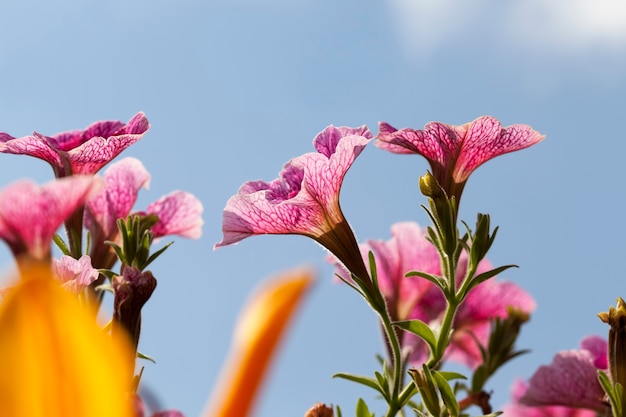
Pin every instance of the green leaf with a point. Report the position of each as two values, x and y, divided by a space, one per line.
338 411
421 329
62 245
450 376
143 356
363 380
156 255
438 281
489 274
447 395
362 410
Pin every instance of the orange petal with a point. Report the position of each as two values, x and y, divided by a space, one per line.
55 360
258 331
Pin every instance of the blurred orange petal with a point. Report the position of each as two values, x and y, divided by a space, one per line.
55 360
257 334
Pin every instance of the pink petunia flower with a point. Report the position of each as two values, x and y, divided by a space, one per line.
79 152
75 274
518 409
416 298
304 200
30 214
571 379
180 213
454 152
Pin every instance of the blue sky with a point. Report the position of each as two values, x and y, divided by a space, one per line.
234 89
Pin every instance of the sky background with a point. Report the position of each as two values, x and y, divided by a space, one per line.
235 88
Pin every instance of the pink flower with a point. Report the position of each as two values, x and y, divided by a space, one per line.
31 214
75 274
416 298
304 200
517 409
571 379
79 152
180 213
455 151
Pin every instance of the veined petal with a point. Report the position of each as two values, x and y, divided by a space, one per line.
257 334
486 139
304 199
123 181
180 213
79 152
30 214
75 274
55 360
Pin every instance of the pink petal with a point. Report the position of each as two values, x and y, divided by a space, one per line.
97 151
570 380
304 199
85 152
516 409
598 347
30 214
37 146
180 213
75 274
486 139
123 181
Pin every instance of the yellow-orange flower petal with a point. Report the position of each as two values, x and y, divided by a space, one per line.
258 331
55 361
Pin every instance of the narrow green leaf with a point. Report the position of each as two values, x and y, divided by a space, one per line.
421 329
450 376
363 380
486 275
438 281
146 357
447 395
362 410
62 245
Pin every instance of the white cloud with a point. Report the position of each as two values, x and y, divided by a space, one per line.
566 26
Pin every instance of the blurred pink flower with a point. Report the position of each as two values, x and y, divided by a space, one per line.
571 379
416 298
304 200
455 151
180 213
75 274
30 214
517 409
79 152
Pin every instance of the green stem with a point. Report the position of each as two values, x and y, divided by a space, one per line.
392 338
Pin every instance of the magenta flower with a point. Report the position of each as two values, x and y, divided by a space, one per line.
416 298
179 212
454 152
571 379
304 200
517 409
75 274
79 152
31 214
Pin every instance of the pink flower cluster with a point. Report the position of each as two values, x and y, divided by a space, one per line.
31 214
416 298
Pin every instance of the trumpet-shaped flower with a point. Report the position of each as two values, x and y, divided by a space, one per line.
453 152
75 274
79 152
416 298
517 409
179 213
258 331
30 214
55 360
571 379
304 200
